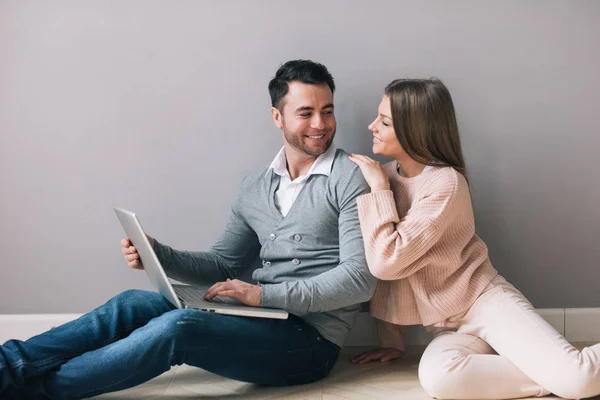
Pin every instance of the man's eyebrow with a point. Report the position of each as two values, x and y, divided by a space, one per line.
309 108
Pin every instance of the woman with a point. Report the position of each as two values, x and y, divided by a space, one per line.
420 241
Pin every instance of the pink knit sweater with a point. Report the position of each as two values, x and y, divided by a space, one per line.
420 242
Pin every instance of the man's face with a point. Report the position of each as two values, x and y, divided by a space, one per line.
306 119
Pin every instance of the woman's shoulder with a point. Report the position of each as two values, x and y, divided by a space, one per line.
446 176
446 180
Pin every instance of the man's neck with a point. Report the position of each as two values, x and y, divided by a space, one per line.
298 163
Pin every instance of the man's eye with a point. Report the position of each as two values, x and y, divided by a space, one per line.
305 115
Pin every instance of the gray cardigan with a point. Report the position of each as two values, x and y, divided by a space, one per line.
313 261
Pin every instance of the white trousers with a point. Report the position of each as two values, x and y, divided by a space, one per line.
502 349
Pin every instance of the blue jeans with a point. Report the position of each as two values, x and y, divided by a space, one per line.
138 335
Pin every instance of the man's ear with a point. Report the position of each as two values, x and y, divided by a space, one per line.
277 117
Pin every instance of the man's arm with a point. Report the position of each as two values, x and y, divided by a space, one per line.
347 284
233 252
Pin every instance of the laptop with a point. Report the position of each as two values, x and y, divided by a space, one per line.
184 296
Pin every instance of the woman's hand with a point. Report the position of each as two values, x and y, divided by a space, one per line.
372 171
383 354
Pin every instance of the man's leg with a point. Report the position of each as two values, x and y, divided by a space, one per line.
264 351
42 354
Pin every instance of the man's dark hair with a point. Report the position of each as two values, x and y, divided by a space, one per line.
304 71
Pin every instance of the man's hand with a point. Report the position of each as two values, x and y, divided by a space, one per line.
131 254
250 295
384 355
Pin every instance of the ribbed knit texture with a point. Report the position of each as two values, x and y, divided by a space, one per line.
420 242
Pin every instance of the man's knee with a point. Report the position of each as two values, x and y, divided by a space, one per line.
177 323
137 296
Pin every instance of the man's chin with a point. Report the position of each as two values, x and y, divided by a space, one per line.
315 151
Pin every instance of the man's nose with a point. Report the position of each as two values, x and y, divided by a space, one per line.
317 122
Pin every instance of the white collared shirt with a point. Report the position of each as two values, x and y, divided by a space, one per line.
288 190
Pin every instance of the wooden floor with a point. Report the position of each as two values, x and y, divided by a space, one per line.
394 380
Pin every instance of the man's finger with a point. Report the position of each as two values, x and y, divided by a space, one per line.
229 293
130 250
211 289
212 292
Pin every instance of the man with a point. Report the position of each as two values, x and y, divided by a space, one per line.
299 216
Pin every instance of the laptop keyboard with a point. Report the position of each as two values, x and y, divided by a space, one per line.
190 293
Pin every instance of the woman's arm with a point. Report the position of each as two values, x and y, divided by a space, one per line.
394 245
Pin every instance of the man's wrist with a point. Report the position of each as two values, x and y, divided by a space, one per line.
258 296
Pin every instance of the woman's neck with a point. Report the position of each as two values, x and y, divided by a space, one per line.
409 168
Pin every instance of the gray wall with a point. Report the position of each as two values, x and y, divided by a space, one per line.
162 107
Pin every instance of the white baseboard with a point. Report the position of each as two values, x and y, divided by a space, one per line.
582 329
582 324
576 324
365 334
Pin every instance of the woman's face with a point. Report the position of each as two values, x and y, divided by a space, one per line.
385 141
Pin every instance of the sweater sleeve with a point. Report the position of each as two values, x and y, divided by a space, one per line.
393 245
390 335
230 256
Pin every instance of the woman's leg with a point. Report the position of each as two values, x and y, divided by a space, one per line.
462 366
505 319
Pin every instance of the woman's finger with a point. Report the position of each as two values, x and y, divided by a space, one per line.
392 355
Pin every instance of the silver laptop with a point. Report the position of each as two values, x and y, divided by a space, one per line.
183 296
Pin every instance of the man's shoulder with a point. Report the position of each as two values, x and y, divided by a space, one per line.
256 177
346 178
342 168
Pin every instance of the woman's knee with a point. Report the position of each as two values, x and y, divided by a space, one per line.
440 378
